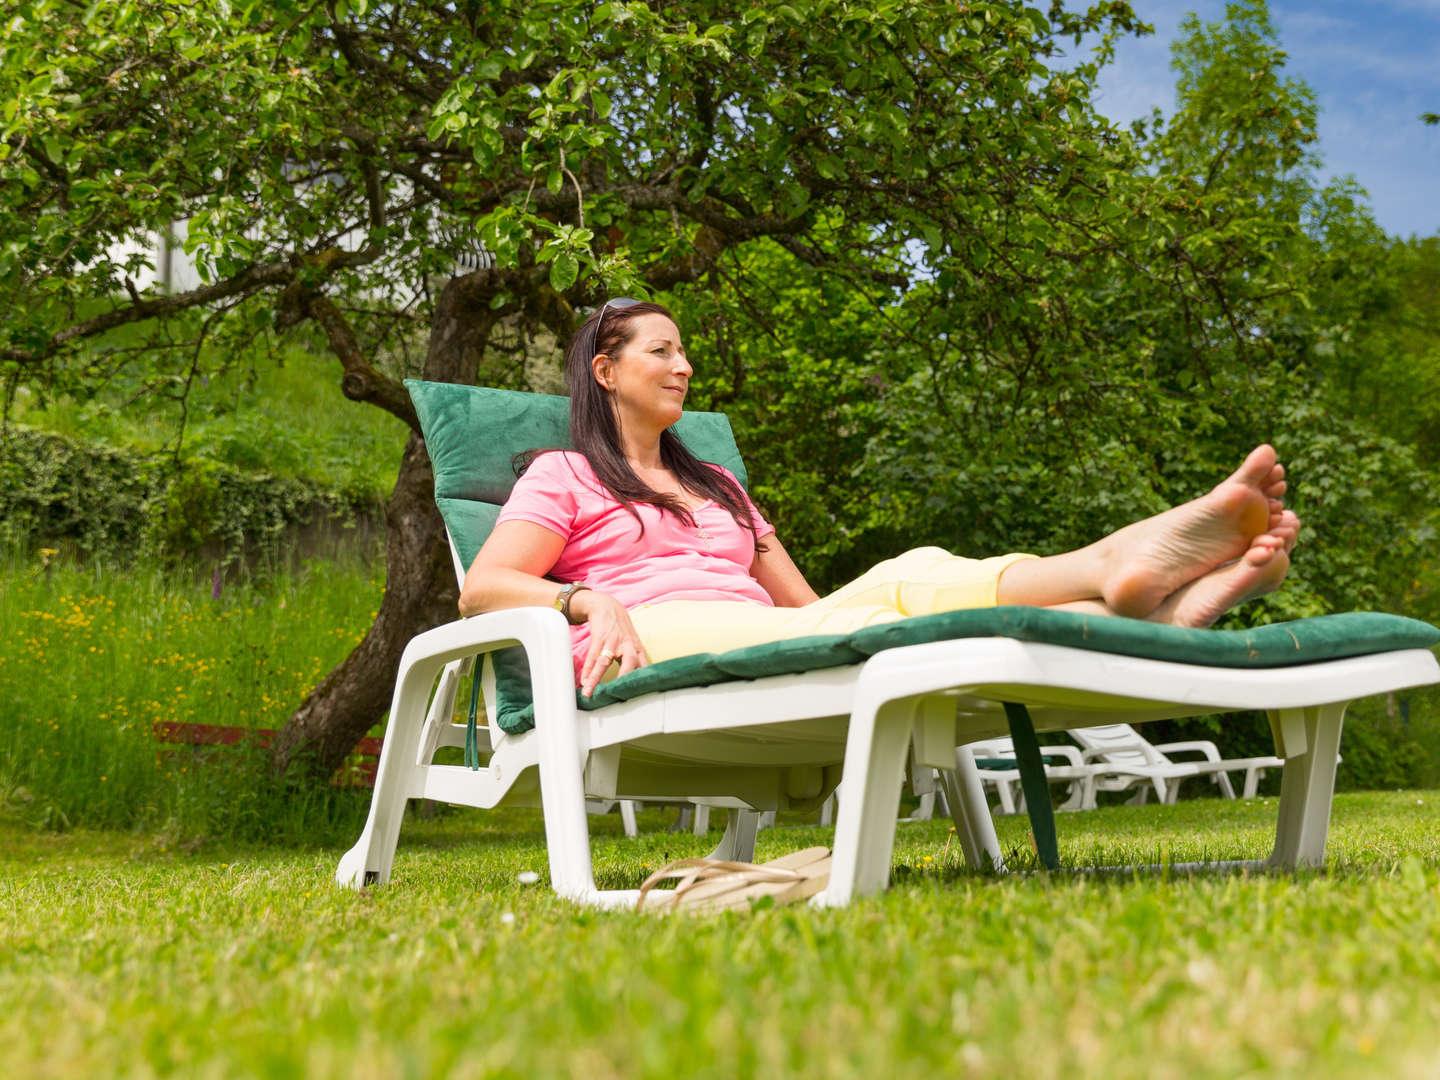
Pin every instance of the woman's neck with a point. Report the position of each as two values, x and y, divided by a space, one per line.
642 452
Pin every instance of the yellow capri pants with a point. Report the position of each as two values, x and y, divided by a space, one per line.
922 581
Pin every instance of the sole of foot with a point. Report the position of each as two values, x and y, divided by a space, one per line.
1205 599
1163 554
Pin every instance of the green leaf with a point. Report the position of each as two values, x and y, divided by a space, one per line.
563 271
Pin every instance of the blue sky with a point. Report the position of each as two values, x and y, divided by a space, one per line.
1374 66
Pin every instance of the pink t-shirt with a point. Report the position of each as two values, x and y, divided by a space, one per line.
604 547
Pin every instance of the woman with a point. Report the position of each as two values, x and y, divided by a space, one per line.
662 555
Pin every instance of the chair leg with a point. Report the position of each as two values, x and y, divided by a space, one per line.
737 842
702 820
627 818
562 797
1226 788
926 810
875 752
369 861
1253 776
1074 797
827 809
1005 789
1307 784
974 827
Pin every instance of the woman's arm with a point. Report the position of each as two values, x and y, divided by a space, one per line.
780 577
508 573
510 569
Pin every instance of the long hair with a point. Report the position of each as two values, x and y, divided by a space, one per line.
595 429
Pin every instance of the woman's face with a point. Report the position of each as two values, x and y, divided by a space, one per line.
649 377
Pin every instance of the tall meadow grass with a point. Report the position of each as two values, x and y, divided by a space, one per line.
95 656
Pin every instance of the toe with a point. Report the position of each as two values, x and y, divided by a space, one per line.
1255 470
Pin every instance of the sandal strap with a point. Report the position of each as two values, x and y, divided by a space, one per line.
693 872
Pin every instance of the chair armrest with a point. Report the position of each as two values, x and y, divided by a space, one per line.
1096 753
1070 753
1200 746
542 631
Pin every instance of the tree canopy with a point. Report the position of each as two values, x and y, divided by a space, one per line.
940 295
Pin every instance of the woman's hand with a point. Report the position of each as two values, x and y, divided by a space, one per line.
612 637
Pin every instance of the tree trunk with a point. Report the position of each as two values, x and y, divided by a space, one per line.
420 589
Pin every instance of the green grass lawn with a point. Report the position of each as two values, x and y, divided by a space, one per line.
125 956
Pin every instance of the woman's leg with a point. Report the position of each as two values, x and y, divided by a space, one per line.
922 581
683 627
1135 570
1206 555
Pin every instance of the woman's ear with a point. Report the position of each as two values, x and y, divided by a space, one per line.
600 366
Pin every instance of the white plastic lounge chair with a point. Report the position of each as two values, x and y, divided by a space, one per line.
767 728
1135 762
997 766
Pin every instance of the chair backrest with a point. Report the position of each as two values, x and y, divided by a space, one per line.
1137 749
473 433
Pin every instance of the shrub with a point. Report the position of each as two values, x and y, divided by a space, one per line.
118 505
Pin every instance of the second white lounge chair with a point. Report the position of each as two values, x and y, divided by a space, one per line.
1132 761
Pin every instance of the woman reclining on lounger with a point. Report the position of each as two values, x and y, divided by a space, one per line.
663 555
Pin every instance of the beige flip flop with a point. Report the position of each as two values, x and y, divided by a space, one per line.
708 885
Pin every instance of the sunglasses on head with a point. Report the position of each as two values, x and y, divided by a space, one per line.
617 303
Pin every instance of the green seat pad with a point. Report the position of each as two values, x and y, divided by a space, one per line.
1304 641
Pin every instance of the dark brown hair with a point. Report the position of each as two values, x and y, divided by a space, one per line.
595 428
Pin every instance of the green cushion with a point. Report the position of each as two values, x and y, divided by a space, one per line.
1305 641
469 524
698 669
787 657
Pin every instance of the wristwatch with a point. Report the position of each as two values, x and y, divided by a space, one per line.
565 595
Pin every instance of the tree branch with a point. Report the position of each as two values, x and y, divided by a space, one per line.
249 280
361 382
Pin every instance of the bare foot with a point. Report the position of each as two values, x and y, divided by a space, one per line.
1155 558
1260 570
